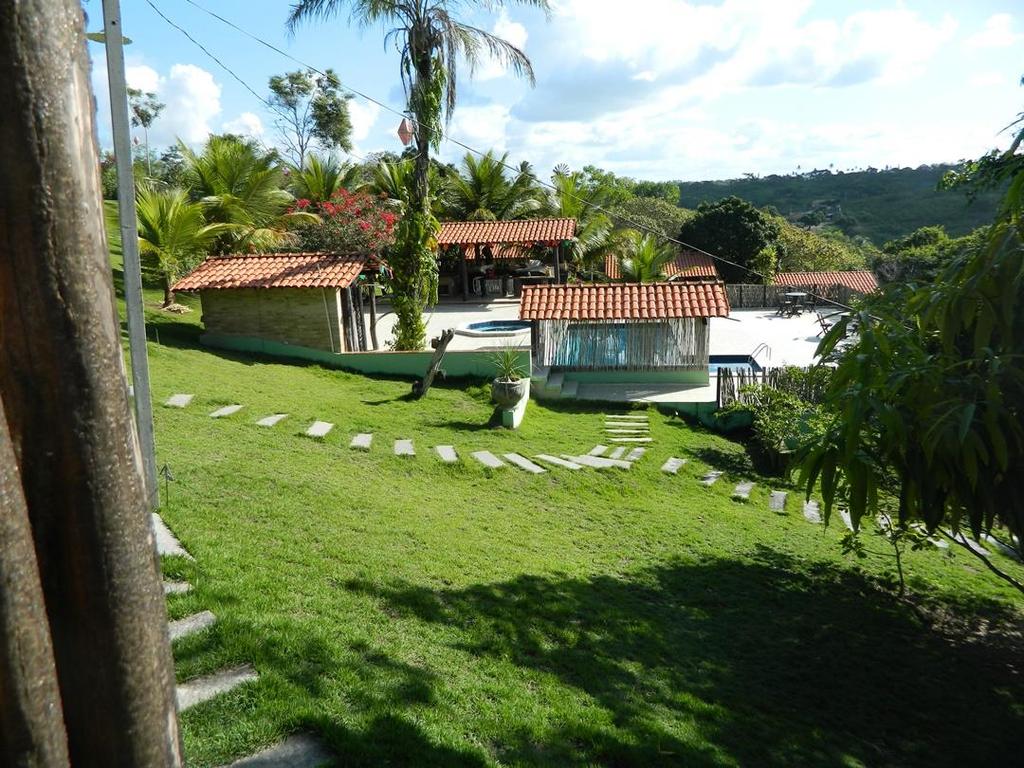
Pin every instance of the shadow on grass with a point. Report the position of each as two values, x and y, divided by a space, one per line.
766 662
735 464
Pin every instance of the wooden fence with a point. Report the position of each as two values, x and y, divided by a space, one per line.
799 382
747 296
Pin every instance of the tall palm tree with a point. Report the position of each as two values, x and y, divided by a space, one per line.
430 42
483 192
174 232
646 259
241 185
321 177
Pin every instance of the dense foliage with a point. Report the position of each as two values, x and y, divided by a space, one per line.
922 255
311 111
877 204
644 258
349 223
736 231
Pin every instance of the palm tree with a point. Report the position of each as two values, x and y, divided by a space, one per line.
646 259
430 42
596 236
483 192
321 177
174 232
241 185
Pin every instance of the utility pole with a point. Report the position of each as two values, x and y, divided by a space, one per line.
130 243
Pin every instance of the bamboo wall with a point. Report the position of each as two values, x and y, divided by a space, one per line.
308 317
638 345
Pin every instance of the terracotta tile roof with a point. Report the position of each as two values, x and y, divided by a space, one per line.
523 232
624 301
688 264
273 270
859 280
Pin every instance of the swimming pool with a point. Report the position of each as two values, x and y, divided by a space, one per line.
494 328
733 362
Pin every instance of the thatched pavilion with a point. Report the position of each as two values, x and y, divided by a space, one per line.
624 331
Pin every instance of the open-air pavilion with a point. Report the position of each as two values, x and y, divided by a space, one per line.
503 256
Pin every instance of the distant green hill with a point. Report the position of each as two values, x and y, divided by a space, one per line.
878 205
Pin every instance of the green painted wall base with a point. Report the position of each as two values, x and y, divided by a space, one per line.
698 378
456 364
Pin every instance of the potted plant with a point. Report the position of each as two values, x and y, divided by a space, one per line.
510 385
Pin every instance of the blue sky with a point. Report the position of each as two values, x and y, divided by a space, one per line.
656 89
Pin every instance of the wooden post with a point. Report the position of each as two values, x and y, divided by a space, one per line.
62 383
440 345
465 272
357 291
373 315
558 264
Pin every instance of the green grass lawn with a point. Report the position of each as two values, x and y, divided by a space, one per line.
413 613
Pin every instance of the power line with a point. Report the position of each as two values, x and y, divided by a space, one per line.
595 206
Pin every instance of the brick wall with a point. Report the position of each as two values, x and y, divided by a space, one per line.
288 315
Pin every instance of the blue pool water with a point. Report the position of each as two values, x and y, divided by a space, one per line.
733 362
499 326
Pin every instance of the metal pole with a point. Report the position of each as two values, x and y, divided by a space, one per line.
130 244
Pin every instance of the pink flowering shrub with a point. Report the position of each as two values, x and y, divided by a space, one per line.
350 222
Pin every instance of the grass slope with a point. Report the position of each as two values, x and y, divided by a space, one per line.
414 613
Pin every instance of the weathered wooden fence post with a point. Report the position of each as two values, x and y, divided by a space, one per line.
66 406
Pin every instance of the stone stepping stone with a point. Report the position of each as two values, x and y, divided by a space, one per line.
711 477
176 587
611 431
597 462
319 429
524 463
777 501
404 448
178 401
627 416
488 459
846 518
558 462
166 542
672 465
362 441
635 454
975 546
742 490
197 622
598 450
617 452
632 440
812 512
202 689
1005 549
272 421
300 750
447 453
227 410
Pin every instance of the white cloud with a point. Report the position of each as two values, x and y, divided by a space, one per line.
997 33
145 79
193 101
246 124
364 116
511 31
483 127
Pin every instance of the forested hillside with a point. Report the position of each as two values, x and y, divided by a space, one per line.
878 205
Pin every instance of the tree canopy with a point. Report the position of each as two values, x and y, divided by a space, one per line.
311 111
735 230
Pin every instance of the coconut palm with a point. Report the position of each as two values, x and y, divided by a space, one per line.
321 177
173 232
430 42
596 236
483 192
646 259
239 184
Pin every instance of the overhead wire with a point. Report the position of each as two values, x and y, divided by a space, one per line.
632 223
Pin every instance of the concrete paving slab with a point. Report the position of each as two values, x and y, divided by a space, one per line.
179 401
272 420
227 410
202 689
617 452
176 587
319 429
742 490
672 465
846 518
632 440
197 622
300 750
362 441
447 453
777 501
598 450
612 431
166 542
812 512
488 459
711 477
524 463
597 462
404 448
627 416
635 454
564 463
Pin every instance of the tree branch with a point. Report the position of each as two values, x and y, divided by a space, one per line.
962 543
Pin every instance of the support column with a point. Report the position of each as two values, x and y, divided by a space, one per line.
465 273
358 288
373 315
558 264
